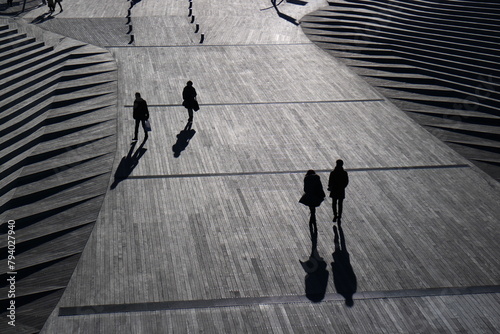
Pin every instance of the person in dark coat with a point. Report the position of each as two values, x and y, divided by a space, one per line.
313 190
313 196
337 183
52 5
189 97
140 114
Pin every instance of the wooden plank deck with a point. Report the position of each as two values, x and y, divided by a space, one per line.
428 60
216 237
444 314
222 221
57 152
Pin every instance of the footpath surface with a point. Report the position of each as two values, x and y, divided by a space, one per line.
202 231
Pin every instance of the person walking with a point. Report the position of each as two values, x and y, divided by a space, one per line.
52 5
189 97
337 183
313 197
141 115
59 3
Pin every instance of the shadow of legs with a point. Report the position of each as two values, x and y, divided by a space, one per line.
316 279
343 274
128 163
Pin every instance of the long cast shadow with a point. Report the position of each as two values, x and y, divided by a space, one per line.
128 163
316 279
283 16
42 18
343 274
183 139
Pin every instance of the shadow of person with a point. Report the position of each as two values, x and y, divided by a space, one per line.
134 2
316 279
282 15
42 18
128 163
343 274
183 139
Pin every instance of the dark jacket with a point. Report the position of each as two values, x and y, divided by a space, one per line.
313 189
140 109
189 96
189 93
337 183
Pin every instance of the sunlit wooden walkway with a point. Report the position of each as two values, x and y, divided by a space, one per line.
211 239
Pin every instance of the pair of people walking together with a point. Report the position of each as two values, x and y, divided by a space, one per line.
141 112
52 5
314 194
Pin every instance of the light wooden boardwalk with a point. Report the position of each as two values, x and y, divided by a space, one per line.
222 222
212 237
58 142
436 61
444 314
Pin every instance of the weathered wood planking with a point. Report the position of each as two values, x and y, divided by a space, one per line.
223 221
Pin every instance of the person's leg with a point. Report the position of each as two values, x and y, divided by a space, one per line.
60 6
313 228
144 128
136 132
190 113
341 204
334 208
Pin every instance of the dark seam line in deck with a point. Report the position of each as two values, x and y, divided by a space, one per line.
260 103
205 45
291 172
250 301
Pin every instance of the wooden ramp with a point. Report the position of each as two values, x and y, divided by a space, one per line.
58 120
201 229
436 60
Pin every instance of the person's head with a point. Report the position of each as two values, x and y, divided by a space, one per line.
137 95
189 83
310 172
340 163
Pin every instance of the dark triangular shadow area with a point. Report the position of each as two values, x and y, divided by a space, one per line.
15 112
297 2
24 180
42 18
128 163
40 157
316 279
183 139
464 76
133 3
287 18
34 218
33 243
284 16
44 193
343 274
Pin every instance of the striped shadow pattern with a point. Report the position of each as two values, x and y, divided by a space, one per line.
58 140
436 60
